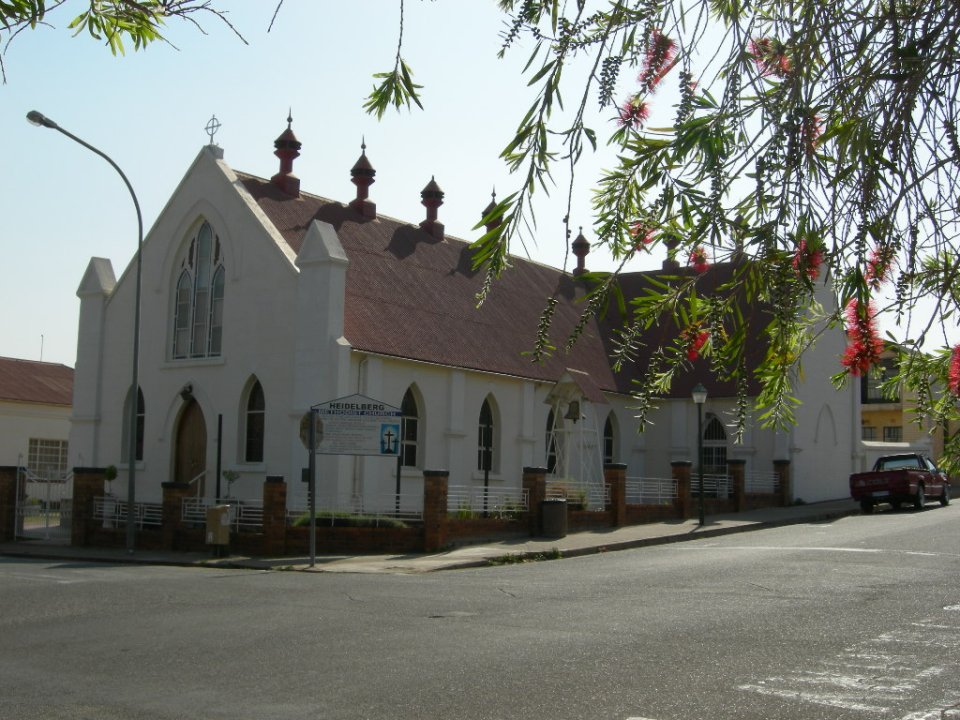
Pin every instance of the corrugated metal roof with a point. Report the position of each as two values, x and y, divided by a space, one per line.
30 381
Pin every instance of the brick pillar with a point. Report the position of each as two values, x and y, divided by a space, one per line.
535 483
274 516
782 469
615 476
88 483
8 503
737 472
173 495
680 471
435 509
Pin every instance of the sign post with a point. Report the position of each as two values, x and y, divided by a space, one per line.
352 425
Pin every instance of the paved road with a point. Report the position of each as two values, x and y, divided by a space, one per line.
859 618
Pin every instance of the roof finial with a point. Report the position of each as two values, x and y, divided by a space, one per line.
289 117
211 127
362 175
580 247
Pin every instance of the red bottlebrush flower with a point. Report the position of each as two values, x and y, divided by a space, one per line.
878 265
633 113
865 346
642 235
810 131
770 57
659 60
698 259
695 339
953 378
807 259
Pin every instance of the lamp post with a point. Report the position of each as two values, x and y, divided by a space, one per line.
41 120
699 393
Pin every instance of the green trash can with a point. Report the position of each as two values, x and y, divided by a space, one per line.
553 511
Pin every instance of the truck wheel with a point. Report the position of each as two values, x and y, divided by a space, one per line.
919 499
945 497
866 507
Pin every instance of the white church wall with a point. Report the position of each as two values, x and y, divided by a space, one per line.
258 323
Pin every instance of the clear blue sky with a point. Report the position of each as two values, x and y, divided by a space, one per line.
62 204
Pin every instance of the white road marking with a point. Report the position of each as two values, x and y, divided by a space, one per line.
700 547
815 698
40 578
868 678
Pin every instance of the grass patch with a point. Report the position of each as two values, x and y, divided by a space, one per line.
345 520
517 558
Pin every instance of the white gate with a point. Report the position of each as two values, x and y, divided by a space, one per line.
44 506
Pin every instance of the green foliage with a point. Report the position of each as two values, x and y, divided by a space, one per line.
517 558
330 518
112 22
814 145
396 88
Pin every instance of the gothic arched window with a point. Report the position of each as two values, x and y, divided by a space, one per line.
256 409
409 430
198 311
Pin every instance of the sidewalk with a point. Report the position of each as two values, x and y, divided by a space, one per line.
574 544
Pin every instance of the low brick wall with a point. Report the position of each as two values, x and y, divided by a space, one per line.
640 514
439 528
351 540
476 530
588 519
758 501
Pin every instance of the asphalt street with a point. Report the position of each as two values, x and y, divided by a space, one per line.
856 618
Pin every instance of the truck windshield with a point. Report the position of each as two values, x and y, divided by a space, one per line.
898 463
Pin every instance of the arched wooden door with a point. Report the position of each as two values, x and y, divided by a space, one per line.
191 458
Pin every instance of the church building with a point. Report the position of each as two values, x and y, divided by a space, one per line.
260 300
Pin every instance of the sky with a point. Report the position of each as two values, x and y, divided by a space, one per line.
147 110
62 205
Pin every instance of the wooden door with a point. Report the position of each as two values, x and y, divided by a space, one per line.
191 458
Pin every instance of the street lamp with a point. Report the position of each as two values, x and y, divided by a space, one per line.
41 120
699 393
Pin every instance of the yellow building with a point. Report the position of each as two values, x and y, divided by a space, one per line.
891 419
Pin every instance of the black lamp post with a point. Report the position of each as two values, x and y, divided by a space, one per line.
699 393
37 118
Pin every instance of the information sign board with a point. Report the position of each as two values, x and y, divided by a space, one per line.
355 425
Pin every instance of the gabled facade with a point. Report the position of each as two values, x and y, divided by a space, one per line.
260 301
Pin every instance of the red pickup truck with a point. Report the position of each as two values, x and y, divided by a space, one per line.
898 479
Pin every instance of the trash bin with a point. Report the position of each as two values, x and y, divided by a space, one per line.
218 525
553 511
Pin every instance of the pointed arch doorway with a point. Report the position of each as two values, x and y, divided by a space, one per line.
191 450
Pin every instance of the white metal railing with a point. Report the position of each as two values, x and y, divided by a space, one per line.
651 491
113 511
589 496
767 483
196 481
714 485
243 514
247 514
378 509
468 500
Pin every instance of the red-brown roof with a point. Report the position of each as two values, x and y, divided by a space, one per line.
663 334
29 381
413 296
